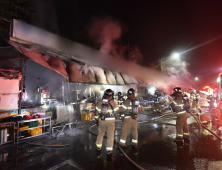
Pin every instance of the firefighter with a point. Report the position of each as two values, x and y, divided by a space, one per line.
105 118
164 99
211 100
194 99
179 106
131 107
156 99
120 99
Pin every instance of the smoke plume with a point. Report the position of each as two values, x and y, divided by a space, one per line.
106 30
176 68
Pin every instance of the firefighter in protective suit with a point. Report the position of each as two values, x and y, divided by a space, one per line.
157 104
120 99
194 99
164 99
105 118
131 107
211 100
180 106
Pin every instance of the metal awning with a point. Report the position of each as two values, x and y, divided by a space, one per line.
83 64
52 63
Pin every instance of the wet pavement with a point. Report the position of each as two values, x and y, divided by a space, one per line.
156 148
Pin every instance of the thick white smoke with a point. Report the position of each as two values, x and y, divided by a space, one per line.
106 30
176 68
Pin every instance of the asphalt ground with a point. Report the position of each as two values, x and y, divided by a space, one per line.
156 148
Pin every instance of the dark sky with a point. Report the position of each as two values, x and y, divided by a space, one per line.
158 27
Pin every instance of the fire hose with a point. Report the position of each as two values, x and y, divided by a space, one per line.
136 165
56 146
209 129
195 119
200 123
117 143
156 118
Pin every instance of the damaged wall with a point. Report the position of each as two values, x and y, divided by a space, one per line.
38 75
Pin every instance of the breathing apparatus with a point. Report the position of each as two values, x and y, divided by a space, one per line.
177 92
119 94
105 102
134 111
196 97
177 105
157 95
134 102
120 98
186 102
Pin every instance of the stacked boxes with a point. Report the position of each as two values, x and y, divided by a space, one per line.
36 131
33 124
85 111
86 115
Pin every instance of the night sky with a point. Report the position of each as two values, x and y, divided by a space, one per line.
157 27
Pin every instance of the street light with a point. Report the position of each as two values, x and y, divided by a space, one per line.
196 78
218 79
173 56
176 56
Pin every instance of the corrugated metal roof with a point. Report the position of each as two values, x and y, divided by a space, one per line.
140 80
88 75
100 75
82 73
110 77
127 79
119 79
134 80
74 71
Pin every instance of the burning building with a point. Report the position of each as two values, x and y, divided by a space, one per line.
63 78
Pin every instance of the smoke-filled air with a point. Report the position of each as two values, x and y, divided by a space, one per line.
177 69
106 31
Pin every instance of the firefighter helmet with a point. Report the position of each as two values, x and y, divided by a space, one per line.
193 90
119 94
177 89
131 91
108 92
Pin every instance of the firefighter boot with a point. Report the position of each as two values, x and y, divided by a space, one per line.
186 140
134 151
109 152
